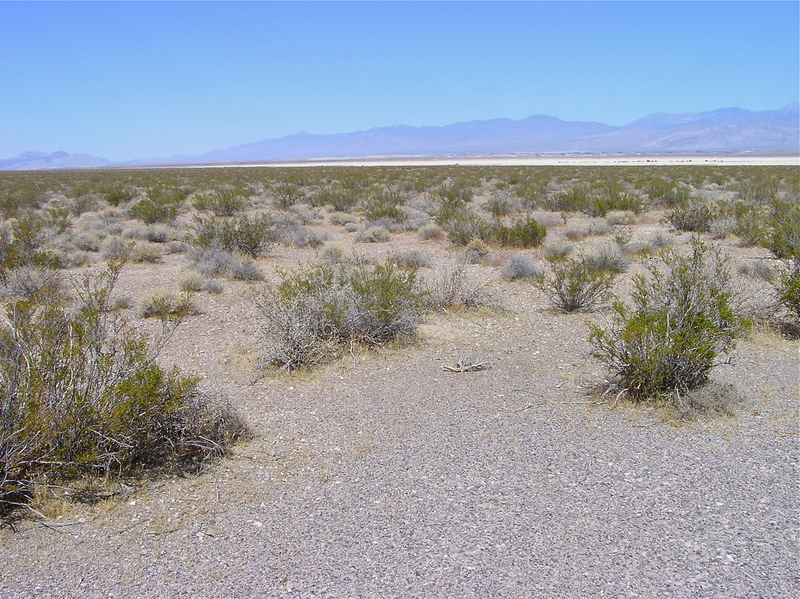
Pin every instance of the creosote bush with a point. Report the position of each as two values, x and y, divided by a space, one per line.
681 320
249 235
82 395
314 311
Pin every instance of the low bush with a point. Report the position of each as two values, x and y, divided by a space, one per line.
373 235
575 284
315 310
521 266
524 233
451 287
166 304
251 235
161 205
222 202
681 321
84 396
695 218
609 258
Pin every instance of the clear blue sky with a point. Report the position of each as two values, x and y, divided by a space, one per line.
127 80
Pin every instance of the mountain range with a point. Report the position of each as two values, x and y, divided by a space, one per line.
723 130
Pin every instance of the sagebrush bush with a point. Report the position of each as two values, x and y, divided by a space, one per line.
609 258
373 235
523 233
83 395
521 266
314 310
680 322
575 284
220 263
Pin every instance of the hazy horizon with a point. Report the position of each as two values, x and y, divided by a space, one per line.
130 81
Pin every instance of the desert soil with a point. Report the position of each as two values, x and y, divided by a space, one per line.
383 475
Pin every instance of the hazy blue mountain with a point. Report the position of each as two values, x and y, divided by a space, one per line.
42 160
724 130
727 129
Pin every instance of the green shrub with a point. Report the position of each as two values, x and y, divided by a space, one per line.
384 203
83 395
575 284
251 235
696 218
681 321
160 205
524 233
222 201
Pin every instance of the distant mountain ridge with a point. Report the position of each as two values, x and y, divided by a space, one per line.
42 160
723 130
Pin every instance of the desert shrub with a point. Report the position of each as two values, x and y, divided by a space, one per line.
212 286
373 235
622 234
251 235
412 259
295 235
669 194
451 287
119 194
145 253
616 201
342 218
680 322
468 226
620 217
115 248
244 269
696 218
155 233
87 242
31 281
222 202
287 194
191 281
338 197
788 288
524 233
575 199
315 310
521 266
83 203
430 231
384 203
501 204
213 262
161 204
575 284
165 304
556 251
83 395
609 258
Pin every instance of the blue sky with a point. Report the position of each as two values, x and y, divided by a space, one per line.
126 80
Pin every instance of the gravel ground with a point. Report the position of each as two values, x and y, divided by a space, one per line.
382 475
